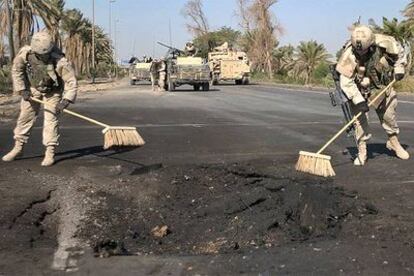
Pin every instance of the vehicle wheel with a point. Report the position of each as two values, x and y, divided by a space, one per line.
132 82
206 86
196 87
245 81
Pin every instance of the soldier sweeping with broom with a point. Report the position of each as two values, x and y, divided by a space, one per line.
41 71
368 67
369 63
42 75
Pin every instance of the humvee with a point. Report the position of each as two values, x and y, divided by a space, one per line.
182 70
139 71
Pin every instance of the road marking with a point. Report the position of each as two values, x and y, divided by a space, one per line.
200 125
319 92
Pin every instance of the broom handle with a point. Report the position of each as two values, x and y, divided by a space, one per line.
73 113
354 119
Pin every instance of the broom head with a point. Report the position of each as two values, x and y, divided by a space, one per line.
313 163
122 137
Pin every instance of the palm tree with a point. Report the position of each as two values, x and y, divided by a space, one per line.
77 42
73 25
402 31
3 50
25 14
409 10
104 51
307 57
284 59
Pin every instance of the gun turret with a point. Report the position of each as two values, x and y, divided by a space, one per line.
171 50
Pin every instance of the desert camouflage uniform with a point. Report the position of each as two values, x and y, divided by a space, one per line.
158 75
48 81
370 75
162 73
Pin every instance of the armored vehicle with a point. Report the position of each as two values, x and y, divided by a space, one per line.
229 65
139 71
182 70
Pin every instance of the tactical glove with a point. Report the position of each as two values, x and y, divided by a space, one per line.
26 95
61 106
362 107
399 76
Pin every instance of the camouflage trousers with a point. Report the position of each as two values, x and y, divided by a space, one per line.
154 80
29 112
162 80
386 111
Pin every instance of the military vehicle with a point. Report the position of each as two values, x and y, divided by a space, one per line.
227 64
182 70
139 71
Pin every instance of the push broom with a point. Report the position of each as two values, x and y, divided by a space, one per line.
114 136
319 164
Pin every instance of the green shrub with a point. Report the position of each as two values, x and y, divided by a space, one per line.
5 81
406 85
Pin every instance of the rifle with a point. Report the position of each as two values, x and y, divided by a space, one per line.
338 97
172 50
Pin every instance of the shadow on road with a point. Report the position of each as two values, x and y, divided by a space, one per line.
374 150
99 152
192 91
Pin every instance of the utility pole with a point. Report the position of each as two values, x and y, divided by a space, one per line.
169 28
93 42
110 18
10 30
110 29
116 50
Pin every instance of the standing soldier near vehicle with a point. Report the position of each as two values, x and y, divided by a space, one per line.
41 71
162 73
370 62
154 74
158 74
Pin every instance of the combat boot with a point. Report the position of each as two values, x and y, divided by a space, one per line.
361 158
394 145
14 153
49 159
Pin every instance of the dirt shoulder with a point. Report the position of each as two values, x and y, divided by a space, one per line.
9 104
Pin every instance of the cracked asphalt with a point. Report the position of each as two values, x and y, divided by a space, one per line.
261 126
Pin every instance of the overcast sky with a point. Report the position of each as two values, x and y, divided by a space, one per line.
143 22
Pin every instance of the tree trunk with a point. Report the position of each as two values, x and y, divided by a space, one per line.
10 31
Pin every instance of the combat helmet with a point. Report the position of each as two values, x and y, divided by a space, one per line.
42 43
362 38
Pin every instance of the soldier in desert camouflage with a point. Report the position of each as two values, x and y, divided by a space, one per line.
41 71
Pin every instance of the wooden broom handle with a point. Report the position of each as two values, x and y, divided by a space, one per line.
73 113
355 118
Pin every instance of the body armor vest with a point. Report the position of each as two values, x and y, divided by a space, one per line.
42 75
380 68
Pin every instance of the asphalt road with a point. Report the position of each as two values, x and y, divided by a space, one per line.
228 124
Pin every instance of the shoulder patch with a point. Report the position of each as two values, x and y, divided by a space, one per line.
347 63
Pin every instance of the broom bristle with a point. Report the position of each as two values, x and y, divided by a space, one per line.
122 137
316 164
